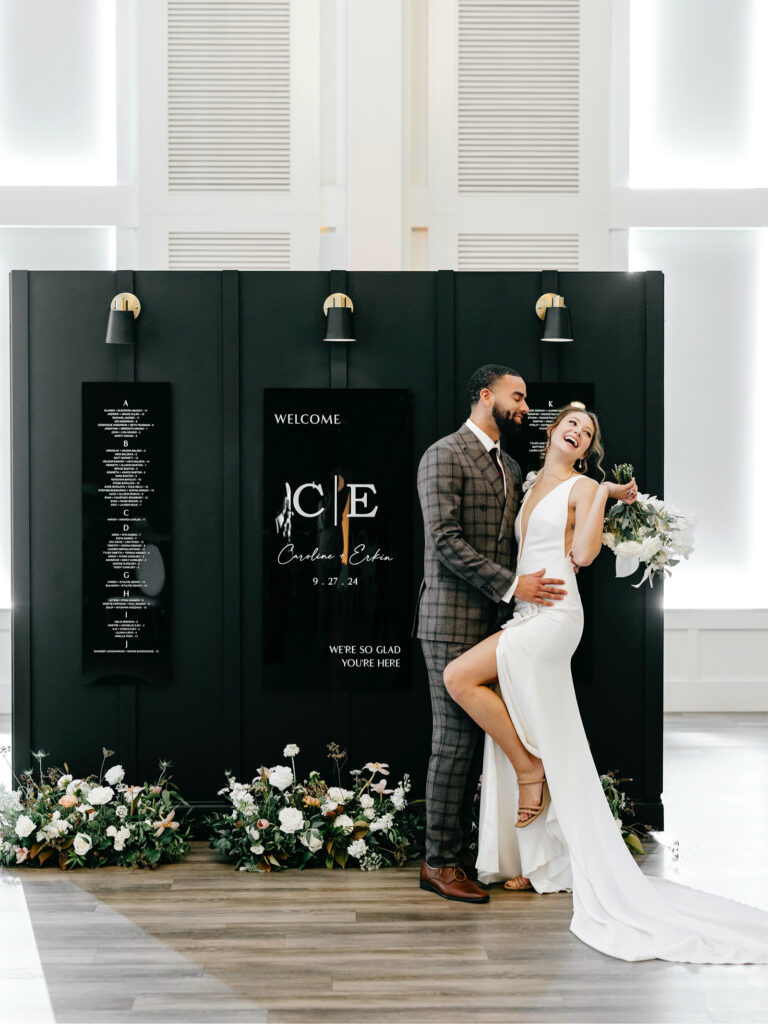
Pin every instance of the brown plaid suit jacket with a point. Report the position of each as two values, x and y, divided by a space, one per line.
469 538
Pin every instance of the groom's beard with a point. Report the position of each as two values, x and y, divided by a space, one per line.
507 426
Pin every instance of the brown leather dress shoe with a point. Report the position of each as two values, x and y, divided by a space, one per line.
451 883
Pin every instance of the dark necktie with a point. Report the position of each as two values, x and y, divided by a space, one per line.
497 463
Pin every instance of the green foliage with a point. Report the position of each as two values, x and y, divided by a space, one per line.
91 822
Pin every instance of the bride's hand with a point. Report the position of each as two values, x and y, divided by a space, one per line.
622 492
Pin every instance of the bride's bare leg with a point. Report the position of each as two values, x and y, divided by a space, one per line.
467 680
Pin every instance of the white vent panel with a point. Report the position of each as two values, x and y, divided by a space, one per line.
229 105
229 250
518 252
518 93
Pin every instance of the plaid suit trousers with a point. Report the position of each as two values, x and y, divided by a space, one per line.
454 765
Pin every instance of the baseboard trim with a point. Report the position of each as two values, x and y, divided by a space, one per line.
715 695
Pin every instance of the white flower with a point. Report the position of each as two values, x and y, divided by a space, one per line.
530 480
291 820
357 849
56 827
119 836
398 799
78 786
628 549
609 540
24 826
312 840
383 823
340 795
619 823
280 777
253 833
328 806
242 801
366 800
370 813
121 811
650 547
82 844
345 823
291 750
64 781
258 849
100 795
115 774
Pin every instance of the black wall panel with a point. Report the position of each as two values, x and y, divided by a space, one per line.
220 339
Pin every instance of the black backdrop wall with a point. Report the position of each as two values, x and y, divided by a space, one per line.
220 339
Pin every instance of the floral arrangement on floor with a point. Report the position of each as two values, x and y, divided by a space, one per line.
91 822
650 531
620 804
278 822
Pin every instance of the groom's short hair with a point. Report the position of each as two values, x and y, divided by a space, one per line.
485 377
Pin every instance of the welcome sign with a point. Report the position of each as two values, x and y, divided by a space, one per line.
338 499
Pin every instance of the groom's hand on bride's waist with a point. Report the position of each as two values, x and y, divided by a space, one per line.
535 588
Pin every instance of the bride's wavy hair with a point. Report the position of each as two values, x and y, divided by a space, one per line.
595 452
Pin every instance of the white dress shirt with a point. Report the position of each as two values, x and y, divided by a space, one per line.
489 443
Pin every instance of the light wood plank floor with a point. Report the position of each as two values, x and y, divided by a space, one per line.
199 941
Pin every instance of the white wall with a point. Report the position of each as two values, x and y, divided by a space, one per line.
369 145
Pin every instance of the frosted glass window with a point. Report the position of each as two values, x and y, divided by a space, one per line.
36 249
697 94
716 379
57 92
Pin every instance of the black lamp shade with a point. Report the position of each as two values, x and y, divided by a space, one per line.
339 324
121 328
557 324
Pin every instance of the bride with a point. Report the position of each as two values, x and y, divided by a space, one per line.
543 817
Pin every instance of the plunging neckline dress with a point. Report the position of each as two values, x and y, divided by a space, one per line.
575 844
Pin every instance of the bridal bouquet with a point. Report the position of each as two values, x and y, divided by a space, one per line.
90 822
278 822
650 531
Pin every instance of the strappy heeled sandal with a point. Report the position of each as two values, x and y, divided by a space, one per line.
532 811
515 884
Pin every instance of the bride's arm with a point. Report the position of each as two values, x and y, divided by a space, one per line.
590 498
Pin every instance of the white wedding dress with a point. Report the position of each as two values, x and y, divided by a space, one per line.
575 843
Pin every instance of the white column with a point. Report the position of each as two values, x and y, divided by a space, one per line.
375 135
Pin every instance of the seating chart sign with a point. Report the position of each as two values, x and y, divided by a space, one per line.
338 503
126 531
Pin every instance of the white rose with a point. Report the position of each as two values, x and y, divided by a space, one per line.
121 811
357 849
280 777
291 750
257 849
24 826
340 795
115 774
100 795
345 823
366 800
82 844
650 547
291 820
312 840
370 813
609 540
253 833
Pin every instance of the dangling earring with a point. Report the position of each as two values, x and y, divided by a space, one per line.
580 466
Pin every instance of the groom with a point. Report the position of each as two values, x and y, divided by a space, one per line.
470 492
